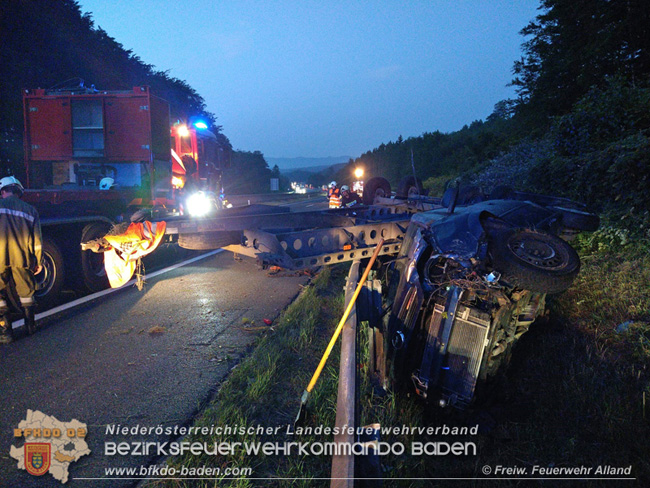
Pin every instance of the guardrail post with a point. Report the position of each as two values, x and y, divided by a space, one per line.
343 466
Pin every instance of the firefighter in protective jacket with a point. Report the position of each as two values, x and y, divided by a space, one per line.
334 195
349 198
20 253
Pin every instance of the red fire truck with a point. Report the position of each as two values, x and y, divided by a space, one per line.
93 158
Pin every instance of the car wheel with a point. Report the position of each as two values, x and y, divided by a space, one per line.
534 261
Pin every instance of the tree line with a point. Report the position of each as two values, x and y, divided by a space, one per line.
578 126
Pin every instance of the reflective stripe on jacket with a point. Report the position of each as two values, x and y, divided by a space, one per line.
351 197
20 234
335 197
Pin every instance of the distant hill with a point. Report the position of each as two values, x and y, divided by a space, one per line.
311 165
313 174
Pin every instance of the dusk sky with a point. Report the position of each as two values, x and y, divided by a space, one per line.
328 78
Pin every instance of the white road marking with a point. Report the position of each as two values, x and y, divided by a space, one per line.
99 294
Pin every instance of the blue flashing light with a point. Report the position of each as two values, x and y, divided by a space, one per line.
200 125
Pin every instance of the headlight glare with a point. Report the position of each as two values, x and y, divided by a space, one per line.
198 204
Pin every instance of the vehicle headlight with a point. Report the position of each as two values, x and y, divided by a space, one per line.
177 182
199 204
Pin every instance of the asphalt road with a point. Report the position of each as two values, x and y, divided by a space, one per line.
135 358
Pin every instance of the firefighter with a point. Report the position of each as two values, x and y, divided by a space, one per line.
349 198
20 253
334 195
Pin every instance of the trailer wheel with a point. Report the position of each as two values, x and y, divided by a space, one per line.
206 241
409 186
92 263
375 187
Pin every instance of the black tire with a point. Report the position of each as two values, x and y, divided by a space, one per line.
375 187
50 280
409 186
207 241
579 220
534 261
92 263
502 192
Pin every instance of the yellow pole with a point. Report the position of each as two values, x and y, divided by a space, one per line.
339 328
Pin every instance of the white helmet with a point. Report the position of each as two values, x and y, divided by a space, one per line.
332 184
9 181
106 183
345 188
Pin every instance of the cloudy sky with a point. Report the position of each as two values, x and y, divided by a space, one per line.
328 78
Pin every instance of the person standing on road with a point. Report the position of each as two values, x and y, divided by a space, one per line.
20 253
334 195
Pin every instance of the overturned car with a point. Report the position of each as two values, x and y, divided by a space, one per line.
466 285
